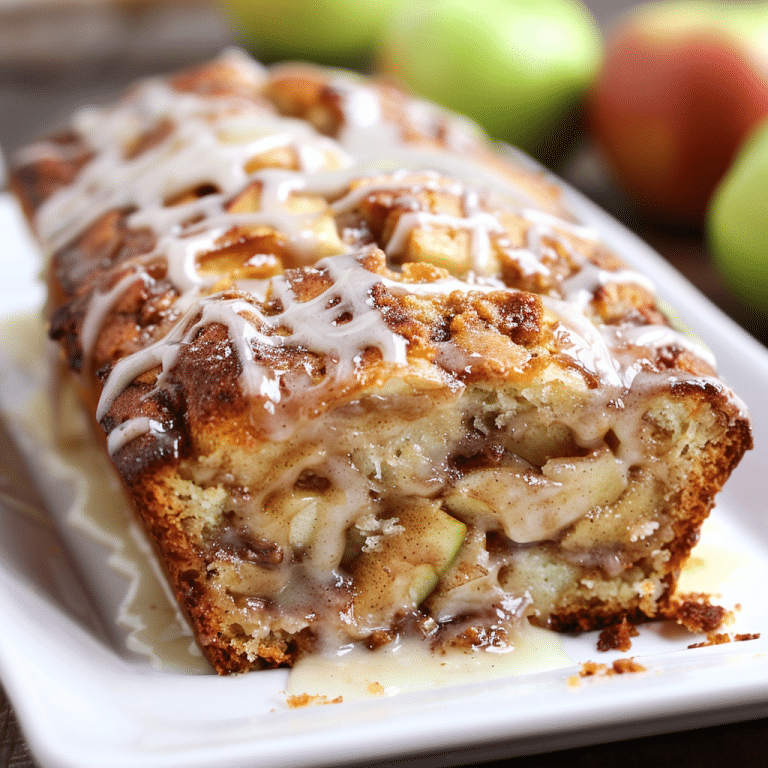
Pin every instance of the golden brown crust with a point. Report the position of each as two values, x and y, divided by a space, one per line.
304 357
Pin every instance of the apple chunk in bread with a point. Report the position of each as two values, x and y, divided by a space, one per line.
399 568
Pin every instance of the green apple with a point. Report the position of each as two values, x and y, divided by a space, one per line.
398 574
323 31
518 67
737 222
681 86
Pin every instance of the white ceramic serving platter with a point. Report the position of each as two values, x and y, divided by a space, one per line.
84 700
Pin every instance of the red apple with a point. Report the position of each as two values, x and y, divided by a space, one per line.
682 84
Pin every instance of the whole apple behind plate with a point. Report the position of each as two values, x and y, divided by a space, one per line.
737 222
339 32
683 83
520 69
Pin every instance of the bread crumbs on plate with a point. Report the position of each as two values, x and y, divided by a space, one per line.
696 613
720 638
306 699
595 669
617 637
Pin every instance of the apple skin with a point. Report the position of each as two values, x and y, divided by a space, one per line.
681 86
518 68
737 222
341 32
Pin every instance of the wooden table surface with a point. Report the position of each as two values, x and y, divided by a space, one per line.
45 70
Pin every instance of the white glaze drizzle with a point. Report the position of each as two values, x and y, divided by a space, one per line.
657 337
400 181
544 219
210 142
479 225
313 325
43 150
579 289
99 307
584 343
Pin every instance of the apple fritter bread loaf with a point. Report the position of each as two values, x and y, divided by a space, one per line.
361 374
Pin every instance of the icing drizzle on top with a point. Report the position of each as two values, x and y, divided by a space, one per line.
216 142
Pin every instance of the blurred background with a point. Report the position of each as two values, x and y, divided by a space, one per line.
669 95
659 115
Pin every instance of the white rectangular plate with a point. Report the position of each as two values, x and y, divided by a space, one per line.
84 701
